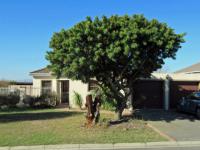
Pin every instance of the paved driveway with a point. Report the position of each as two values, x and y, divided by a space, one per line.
179 126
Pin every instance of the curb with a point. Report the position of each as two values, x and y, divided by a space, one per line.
106 146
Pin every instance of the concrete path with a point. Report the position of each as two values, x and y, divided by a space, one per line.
178 126
192 145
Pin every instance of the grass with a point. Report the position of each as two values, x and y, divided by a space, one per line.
61 126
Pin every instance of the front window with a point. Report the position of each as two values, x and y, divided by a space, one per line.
46 87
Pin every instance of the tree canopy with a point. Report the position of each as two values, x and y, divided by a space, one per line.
115 50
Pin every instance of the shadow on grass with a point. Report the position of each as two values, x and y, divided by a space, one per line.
14 109
28 116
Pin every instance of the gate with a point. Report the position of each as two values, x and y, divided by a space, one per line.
148 94
179 89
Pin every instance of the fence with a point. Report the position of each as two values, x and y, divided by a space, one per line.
29 91
21 97
7 91
26 91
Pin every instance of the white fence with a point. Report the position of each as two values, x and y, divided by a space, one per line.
26 91
29 91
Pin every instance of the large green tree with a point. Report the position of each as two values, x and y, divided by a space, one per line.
116 51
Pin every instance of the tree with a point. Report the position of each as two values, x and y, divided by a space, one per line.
117 51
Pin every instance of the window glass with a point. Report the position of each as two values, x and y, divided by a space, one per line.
46 87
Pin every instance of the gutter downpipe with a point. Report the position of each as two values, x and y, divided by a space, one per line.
166 93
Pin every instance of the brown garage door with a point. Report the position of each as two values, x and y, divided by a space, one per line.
178 89
148 94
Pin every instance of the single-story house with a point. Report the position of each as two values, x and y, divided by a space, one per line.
43 82
162 90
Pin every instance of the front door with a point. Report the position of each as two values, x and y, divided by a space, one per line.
65 91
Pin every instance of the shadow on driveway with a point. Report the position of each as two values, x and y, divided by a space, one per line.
178 126
162 115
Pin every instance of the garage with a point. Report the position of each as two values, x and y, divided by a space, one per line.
179 89
148 94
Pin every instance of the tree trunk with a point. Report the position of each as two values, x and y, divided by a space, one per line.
131 97
118 114
131 102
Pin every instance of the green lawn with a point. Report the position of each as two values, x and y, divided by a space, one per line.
59 126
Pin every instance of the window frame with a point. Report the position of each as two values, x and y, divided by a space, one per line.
46 89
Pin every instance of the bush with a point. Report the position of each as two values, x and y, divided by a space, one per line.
43 101
108 105
10 99
78 100
27 99
106 102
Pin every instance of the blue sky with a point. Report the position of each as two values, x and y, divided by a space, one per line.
26 27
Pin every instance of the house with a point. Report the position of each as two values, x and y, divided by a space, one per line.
43 82
162 90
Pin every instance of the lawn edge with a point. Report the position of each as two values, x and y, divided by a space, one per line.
169 138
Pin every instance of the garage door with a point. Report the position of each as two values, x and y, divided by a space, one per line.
148 94
178 89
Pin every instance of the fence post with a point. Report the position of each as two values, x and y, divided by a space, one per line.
166 93
22 95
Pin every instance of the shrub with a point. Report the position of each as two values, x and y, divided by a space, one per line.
78 100
106 102
44 101
50 99
10 99
27 99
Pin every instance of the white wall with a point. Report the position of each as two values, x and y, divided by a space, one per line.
77 86
36 87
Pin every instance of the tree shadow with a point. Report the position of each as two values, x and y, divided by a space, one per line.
30 116
162 115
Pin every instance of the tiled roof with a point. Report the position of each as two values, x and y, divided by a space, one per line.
193 68
43 70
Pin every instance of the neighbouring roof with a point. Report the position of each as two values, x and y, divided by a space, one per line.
22 83
43 70
191 69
